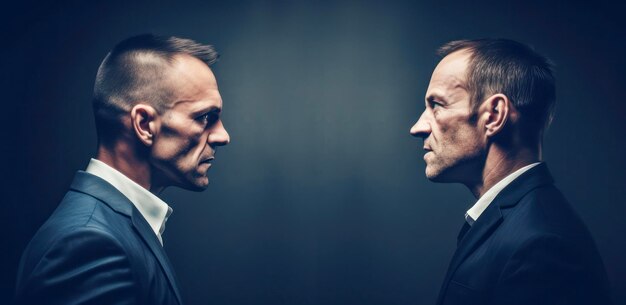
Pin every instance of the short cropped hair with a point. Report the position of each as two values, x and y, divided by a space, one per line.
135 71
515 70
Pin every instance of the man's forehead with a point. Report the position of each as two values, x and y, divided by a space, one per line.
189 70
448 82
203 103
450 74
445 86
453 68
194 84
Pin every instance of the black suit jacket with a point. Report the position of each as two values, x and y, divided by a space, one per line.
96 248
528 247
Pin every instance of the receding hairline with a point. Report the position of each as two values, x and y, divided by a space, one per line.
470 49
457 47
452 80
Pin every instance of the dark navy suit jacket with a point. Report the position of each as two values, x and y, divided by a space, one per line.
528 247
96 248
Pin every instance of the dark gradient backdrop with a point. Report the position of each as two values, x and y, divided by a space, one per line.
321 197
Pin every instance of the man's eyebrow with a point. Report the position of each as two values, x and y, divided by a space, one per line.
213 108
460 85
209 109
199 105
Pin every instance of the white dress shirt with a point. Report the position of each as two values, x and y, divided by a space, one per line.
151 207
485 200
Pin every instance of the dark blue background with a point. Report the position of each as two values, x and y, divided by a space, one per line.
321 197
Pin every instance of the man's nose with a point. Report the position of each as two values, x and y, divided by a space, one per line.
421 129
219 136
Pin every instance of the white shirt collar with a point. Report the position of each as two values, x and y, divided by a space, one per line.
151 207
485 200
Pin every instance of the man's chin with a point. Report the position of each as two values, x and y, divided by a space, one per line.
435 176
197 185
198 188
432 178
442 176
436 179
430 174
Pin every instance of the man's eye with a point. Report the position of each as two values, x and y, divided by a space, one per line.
434 104
207 118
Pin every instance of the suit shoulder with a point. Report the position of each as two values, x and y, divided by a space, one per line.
85 239
545 210
85 263
79 220
78 210
547 241
544 222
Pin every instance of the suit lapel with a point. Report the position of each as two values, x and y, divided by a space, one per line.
474 237
146 233
481 230
492 217
105 192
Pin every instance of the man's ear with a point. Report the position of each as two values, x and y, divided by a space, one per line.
498 110
143 119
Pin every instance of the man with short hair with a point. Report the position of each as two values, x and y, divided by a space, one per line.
487 106
157 109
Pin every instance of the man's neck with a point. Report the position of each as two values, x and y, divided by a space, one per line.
122 158
499 164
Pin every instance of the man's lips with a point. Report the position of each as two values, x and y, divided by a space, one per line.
207 160
427 151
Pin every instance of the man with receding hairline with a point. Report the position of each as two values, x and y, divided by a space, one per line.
157 109
488 104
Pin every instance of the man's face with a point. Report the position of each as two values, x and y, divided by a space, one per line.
190 130
453 142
